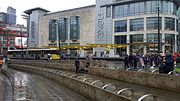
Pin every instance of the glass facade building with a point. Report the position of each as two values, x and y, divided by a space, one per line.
137 20
63 29
74 28
52 30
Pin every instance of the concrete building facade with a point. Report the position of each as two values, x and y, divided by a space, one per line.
135 24
74 27
70 27
33 25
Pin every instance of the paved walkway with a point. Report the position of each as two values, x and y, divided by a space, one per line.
32 87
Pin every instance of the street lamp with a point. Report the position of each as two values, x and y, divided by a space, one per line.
159 44
58 34
26 17
21 41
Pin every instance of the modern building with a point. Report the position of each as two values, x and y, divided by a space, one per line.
33 25
135 24
3 18
10 37
11 15
74 27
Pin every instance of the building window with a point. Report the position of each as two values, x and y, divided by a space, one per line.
169 7
136 24
147 7
108 11
120 26
120 39
52 30
63 28
152 23
136 38
177 25
169 23
74 28
151 6
153 38
169 39
120 11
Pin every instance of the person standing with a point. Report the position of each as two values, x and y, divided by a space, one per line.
77 64
126 62
135 61
169 62
1 63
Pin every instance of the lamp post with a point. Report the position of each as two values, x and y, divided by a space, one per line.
58 34
159 44
21 41
26 17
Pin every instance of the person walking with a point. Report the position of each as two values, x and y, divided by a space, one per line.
77 64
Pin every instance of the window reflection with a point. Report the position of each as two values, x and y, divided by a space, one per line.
147 7
152 23
120 26
136 24
74 28
52 30
169 23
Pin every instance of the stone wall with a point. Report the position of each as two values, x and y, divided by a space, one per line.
160 81
92 92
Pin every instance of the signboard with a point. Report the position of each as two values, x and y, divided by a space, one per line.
18 41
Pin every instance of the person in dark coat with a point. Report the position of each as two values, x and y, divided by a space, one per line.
169 63
135 61
126 62
77 64
131 60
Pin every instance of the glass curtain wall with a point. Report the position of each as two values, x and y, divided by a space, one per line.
52 30
169 23
120 40
147 7
120 26
63 29
152 40
152 23
75 28
169 42
135 47
136 24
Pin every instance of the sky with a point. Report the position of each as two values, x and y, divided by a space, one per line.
51 5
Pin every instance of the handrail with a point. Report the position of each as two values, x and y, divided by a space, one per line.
79 77
125 89
104 87
86 79
147 95
95 82
128 69
153 71
72 75
140 70
171 73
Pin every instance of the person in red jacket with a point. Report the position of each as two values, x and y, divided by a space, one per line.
175 58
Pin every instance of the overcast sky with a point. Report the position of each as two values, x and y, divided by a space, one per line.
51 5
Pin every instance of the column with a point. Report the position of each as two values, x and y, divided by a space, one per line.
128 37
175 45
145 36
163 35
